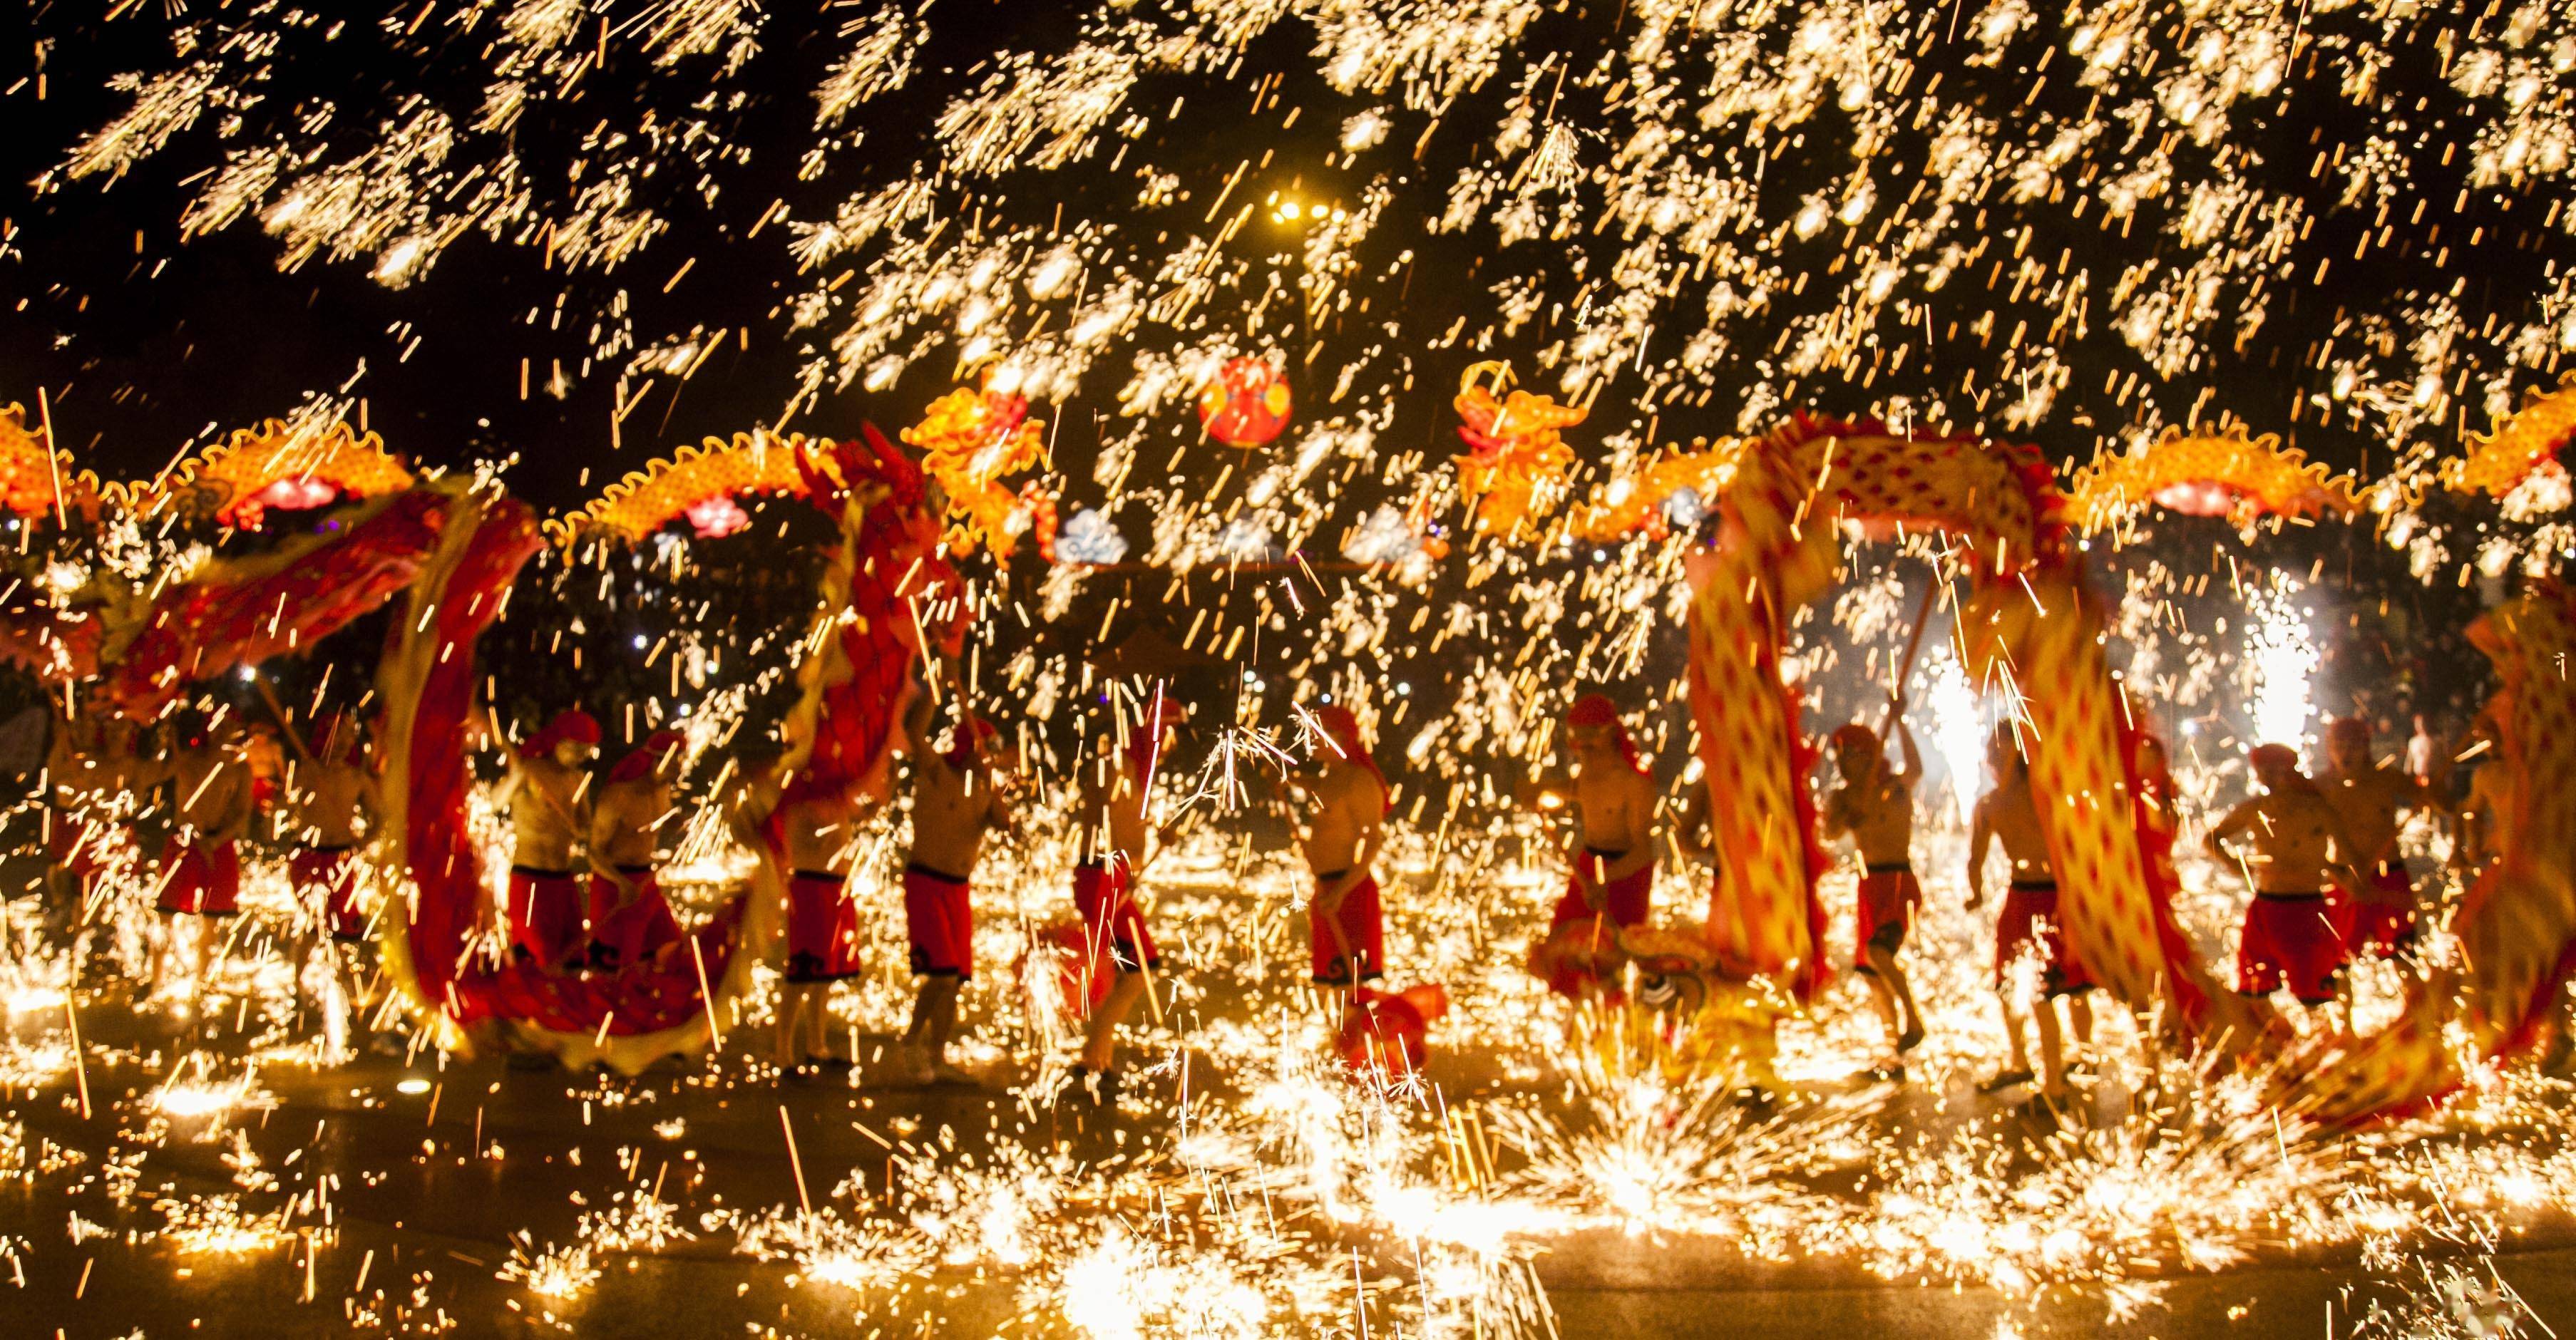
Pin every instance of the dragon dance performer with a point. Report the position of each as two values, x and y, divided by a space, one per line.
1341 835
2295 852
2383 919
630 920
201 860
958 797
88 766
2029 930
822 922
1611 862
1874 807
1117 790
329 793
547 796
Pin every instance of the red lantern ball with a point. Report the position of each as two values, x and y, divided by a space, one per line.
1245 404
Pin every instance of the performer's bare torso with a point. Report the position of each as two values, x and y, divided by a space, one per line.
819 836
1348 805
212 786
2011 813
327 800
1878 815
2290 844
2366 801
953 808
626 832
1113 812
1614 806
545 813
92 774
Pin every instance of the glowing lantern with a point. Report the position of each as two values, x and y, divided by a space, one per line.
718 516
1245 404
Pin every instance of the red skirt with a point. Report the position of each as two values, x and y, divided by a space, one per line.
79 847
1889 898
544 916
621 937
2289 940
200 880
1363 927
822 927
332 874
1104 897
2029 928
1625 902
2382 921
939 922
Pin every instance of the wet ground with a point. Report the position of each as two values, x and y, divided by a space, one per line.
404 1208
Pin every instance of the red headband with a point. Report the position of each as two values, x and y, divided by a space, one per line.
573 724
2274 755
1342 730
1595 710
647 756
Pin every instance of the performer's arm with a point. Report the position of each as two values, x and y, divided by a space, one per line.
1981 839
1905 744
605 817
1696 836
513 776
2237 820
2343 867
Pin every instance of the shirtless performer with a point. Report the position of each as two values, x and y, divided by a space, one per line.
2485 824
547 795
1612 858
328 791
822 923
957 798
2295 852
89 765
2029 929
2383 919
1117 790
1341 836
200 863
630 920
1874 807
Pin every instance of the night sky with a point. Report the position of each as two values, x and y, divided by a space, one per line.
147 340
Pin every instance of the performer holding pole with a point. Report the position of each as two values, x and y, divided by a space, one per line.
822 923
630 920
2030 933
958 797
2384 918
547 796
1341 835
1874 807
201 861
2295 851
329 792
1117 786
1611 861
